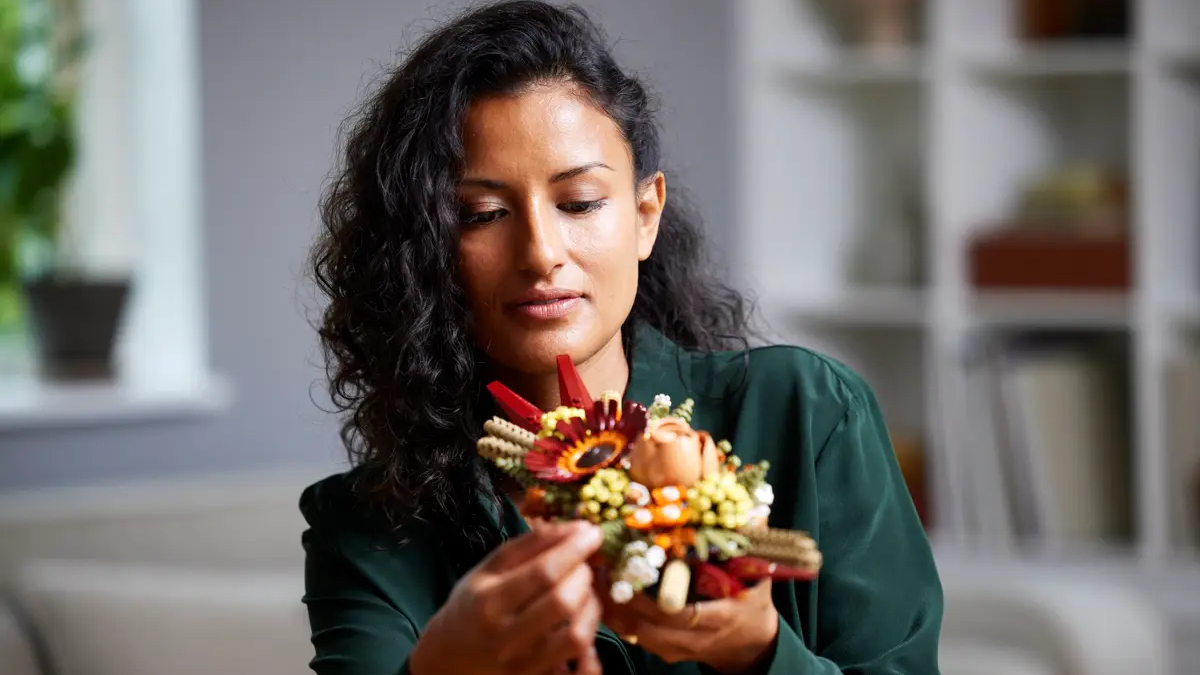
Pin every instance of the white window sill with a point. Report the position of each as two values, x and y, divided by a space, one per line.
39 405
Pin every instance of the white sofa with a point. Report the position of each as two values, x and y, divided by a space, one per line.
205 577
176 577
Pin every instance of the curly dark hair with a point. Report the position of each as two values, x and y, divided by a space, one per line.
400 358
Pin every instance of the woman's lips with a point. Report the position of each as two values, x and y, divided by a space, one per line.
550 308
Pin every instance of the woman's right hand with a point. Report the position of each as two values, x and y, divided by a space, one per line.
529 607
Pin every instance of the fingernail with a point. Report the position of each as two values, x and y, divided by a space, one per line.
589 535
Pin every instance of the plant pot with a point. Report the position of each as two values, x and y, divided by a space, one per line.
1017 257
74 324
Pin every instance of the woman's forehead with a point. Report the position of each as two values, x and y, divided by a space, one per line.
553 127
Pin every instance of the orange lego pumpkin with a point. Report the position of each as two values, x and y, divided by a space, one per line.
672 453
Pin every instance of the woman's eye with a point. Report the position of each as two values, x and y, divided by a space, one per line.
481 217
579 208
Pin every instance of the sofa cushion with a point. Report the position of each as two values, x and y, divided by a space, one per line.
110 619
228 523
17 656
1076 624
968 657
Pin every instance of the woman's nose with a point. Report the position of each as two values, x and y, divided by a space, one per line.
545 247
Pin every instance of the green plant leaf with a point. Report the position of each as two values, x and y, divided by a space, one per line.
37 129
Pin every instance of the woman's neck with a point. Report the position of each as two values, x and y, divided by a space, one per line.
606 370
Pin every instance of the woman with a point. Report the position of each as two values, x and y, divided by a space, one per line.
502 203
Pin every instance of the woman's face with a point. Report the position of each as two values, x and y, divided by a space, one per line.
553 226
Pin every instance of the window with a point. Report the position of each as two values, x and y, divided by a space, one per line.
136 207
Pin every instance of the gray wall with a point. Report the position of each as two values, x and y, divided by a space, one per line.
278 78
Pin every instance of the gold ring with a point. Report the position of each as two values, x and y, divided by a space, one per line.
695 620
631 639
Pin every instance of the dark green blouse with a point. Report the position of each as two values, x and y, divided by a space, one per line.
875 609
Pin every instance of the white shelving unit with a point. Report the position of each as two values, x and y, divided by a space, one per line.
937 140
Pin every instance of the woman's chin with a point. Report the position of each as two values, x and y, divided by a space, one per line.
536 352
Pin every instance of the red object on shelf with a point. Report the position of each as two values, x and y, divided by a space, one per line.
1044 20
1013 258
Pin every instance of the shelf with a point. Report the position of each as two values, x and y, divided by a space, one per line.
861 69
1079 557
29 405
1051 310
860 308
972 121
1077 59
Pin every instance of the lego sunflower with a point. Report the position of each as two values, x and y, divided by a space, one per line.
583 445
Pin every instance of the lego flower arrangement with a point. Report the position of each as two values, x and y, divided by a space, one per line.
683 519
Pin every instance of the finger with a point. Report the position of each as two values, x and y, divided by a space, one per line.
533 578
703 625
545 614
709 614
527 546
616 616
580 637
602 581
620 619
612 614
646 610
672 644
589 664
571 642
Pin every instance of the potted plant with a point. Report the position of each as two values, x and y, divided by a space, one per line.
73 319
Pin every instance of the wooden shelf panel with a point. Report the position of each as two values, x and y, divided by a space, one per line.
1051 310
1099 59
860 69
859 308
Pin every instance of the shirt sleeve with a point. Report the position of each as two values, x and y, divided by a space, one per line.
878 596
355 631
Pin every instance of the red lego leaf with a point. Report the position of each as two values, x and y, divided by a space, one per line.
746 568
516 409
571 390
715 583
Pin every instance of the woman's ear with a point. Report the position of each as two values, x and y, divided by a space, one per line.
652 198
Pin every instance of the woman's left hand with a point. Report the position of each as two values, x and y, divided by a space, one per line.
732 636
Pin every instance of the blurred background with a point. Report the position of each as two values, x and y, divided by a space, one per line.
990 208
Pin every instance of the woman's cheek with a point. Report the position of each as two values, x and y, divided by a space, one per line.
605 239
477 284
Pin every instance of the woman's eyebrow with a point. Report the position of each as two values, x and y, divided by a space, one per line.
493 184
485 183
583 168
